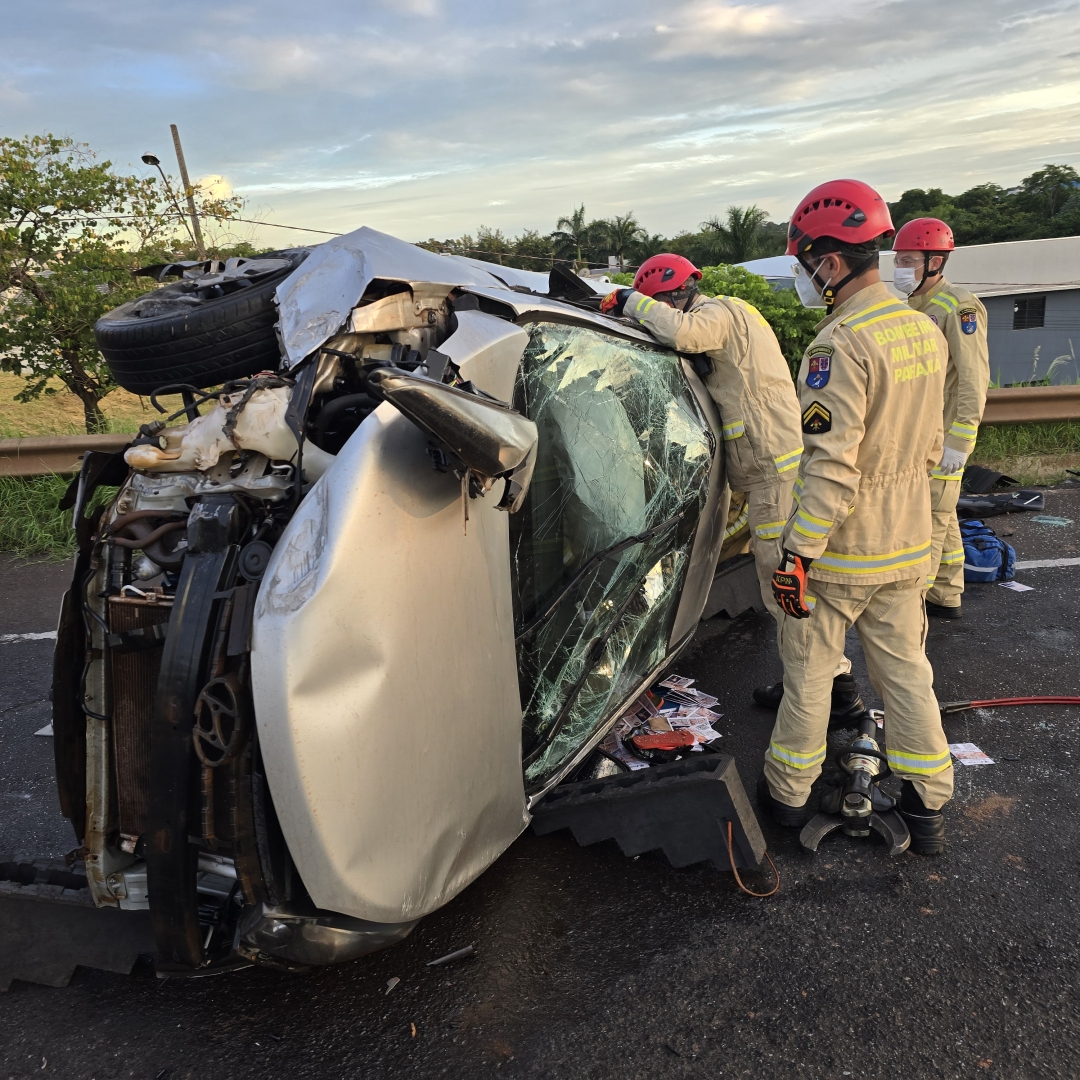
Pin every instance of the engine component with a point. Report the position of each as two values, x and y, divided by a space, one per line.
222 723
254 558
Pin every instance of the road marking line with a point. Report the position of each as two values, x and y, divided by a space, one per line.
1039 564
48 635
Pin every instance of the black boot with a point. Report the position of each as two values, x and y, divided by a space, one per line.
789 817
927 827
847 706
938 611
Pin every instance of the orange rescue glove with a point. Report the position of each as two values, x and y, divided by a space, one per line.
789 585
612 304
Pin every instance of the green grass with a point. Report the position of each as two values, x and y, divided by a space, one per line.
31 526
1015 440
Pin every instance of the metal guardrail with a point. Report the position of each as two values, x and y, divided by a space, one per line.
1032 405
61 453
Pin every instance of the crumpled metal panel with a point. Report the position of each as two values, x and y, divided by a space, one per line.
315 300
385 681
384 671
623 449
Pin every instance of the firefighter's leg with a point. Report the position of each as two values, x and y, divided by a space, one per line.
811 649
946 576
892 629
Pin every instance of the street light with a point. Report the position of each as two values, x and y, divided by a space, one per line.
153 159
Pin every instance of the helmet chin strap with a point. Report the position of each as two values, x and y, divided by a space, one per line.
927 256
828 293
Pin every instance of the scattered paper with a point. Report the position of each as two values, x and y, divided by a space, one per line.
676 682
1016 586
967 753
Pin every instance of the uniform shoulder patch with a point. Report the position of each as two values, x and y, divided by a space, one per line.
818 366
969 319
816 419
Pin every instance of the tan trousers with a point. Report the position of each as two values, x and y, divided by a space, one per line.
946 580
891 621
770 507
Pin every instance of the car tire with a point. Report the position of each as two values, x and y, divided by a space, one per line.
184 333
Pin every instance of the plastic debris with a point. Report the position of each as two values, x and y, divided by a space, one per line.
46 732
1049 519
1015 586
449 958
967 753
392 983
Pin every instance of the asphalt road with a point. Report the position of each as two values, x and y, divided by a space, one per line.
589 964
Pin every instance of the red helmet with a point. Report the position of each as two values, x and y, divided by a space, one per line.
663 273
924 234
847 210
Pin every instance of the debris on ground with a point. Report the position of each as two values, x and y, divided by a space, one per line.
967 753
669 720
1015 586
392 983
449 958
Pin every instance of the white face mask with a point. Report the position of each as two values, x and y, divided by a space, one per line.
807 290
904 279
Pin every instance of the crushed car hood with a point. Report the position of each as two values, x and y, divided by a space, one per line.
315 300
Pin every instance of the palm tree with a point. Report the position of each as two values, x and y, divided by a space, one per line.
739 238
573 232
622 233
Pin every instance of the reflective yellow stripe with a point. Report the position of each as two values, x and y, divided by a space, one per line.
809 601
873 307
643 305
946 301
968 432
738 523
871 564
899 311
938 473
952 558
795 759
787 462
812 527
769 530
930 582
796 491
922 764
733 430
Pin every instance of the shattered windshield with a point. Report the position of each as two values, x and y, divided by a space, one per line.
600 548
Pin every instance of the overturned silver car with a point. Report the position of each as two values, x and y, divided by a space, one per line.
333 636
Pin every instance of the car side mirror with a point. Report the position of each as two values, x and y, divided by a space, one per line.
490 439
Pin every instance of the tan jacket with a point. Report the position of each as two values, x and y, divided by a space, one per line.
961 317
871 388
750 381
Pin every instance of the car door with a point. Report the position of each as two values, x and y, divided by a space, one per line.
600 551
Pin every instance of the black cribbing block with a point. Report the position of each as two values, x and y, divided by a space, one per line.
682 807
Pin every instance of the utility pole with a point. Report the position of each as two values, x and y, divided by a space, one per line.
189 191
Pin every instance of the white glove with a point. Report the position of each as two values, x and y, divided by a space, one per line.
952 461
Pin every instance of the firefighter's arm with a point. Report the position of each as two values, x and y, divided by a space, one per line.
833 424
969 354
701 330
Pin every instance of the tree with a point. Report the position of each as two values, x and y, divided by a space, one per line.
739 237
572 234
623 232
71 232
1052 186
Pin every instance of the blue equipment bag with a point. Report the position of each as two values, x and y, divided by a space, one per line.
986 557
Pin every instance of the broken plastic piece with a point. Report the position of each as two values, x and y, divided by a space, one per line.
449 958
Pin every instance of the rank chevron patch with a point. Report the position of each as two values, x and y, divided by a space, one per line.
816 420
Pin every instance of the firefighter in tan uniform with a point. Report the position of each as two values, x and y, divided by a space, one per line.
922 247
857 547
749 380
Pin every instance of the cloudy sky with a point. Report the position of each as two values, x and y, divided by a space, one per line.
429 117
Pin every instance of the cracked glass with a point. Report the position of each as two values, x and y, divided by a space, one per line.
600 548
